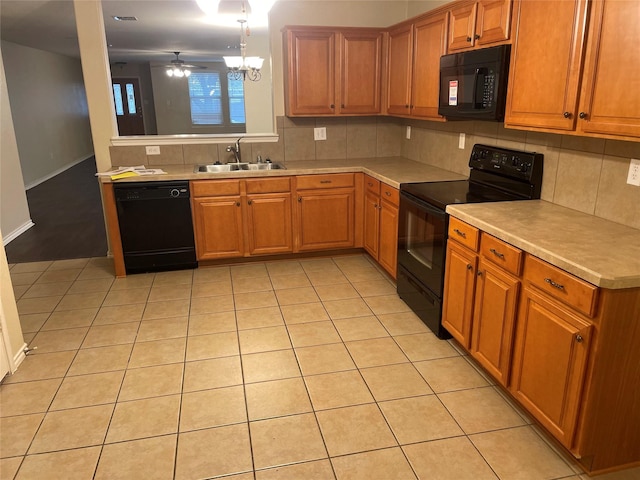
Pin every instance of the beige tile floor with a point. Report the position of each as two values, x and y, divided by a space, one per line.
305 369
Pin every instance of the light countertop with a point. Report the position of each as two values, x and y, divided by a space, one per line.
390 170
602 252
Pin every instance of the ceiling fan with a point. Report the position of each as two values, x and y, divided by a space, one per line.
178 68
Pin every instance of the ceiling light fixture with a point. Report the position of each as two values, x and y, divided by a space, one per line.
178 68
243 67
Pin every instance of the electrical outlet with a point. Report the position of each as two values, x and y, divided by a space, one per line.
320 133
461 141
408 134
153 150
634 172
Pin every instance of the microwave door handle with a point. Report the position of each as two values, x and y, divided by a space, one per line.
475 89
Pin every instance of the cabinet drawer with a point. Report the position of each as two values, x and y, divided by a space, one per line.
268 185
211 188
506 256
389 194
372 185
561 285
464 233
308 182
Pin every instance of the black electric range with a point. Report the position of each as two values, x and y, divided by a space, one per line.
496 174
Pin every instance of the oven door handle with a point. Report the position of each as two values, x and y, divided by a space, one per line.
435 211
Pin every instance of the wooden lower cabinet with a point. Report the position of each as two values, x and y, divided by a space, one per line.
218 227
325 212
566 350
550 362
494 317
459 290
269 225
254 220
380 237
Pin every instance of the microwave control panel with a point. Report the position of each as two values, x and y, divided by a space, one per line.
488 90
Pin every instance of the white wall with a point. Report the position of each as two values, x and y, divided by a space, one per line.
49 108
14 210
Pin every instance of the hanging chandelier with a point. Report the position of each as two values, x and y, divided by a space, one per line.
243 67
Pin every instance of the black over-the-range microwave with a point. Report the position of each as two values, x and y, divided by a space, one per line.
473 85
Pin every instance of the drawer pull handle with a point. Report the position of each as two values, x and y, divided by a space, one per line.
554 284
388 194
462 234
579 338
496 253
325 181
370 184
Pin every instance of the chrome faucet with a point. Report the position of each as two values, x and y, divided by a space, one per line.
236 150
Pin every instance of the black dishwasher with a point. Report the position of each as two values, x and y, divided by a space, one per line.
155 226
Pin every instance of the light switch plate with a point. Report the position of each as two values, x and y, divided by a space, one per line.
153 150
461 141
634 172
320 133
408 134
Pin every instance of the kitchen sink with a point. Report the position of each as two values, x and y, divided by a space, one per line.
233 167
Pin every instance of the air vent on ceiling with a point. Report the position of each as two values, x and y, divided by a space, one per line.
121 18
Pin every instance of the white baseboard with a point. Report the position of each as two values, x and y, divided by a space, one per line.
56 172
19 357
17 232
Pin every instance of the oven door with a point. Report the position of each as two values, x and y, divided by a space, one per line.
422 234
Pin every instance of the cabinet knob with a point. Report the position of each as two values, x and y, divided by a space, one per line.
406 106
479 273
566 114
582 115
468 39
249 202
237 204
299 199
375 205
477 37
342 105
469 267
332 106
579 338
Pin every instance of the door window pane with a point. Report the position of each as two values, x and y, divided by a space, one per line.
131 99
117 96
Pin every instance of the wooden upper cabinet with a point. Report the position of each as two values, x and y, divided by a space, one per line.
310 79
429 43
360 72
546 58
333 71
479 23
399 65
413 67
610 98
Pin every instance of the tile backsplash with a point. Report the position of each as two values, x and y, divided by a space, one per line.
582 173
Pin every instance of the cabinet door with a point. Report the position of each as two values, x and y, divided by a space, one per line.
494 315
399 70
546 60
325 219
360 72
218 226
462 24
269 227
610 100
550 362
430 42
388 245
371 223
459 289
493 22
310 88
